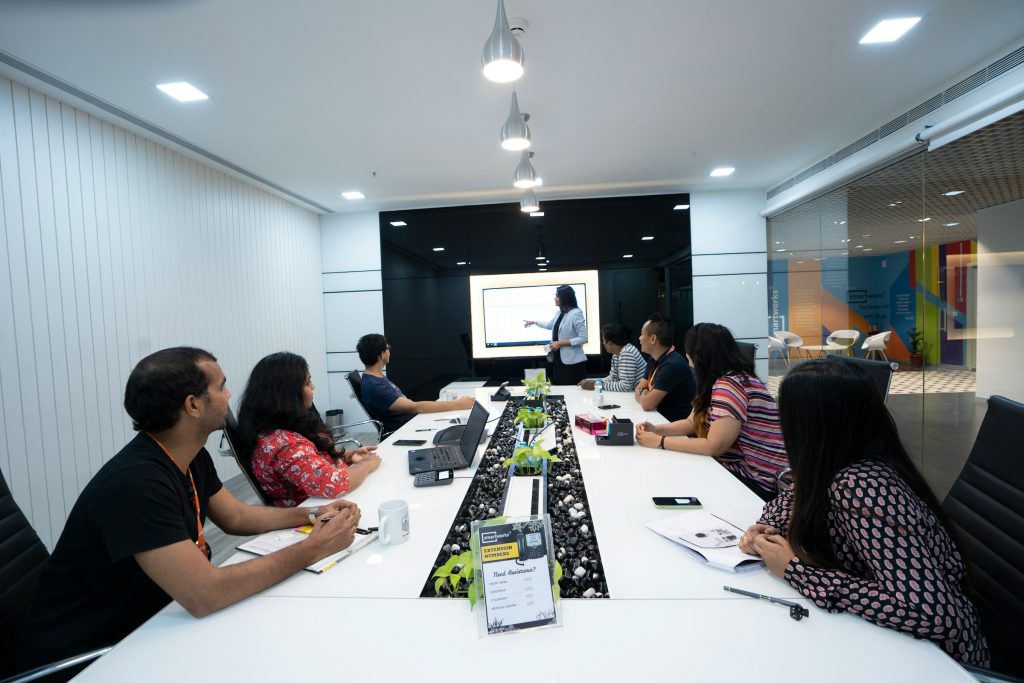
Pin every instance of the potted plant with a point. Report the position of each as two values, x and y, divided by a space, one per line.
529 459
916 341
536 389
531 421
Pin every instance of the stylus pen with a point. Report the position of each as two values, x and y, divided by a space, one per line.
794 608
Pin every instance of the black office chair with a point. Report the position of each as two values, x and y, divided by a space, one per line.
356 380
748 350
878 370
230 434
986 507
22 555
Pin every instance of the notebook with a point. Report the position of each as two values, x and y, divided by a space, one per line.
707 538
276 540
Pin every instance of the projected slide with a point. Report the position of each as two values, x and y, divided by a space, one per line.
500 303
505 309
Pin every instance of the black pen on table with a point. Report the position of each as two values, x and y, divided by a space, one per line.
796 611
359 530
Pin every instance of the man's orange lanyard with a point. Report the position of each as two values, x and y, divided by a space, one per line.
657 366
201 540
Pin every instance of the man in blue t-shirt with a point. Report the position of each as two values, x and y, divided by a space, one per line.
669 387
382 398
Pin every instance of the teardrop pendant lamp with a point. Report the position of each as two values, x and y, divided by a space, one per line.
525 177
502 56
529 204
515 134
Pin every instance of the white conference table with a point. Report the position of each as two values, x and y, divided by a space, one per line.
667 614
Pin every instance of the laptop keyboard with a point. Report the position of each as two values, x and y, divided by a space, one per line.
443 457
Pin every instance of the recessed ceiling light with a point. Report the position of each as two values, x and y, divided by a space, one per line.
722 171
888 30
438 248
799 261
542 270
399 224
868 235
627 256
777 250
680 207
540 258
842 222
912 236
869 249
353 194
859 246
953 193
899 241
950 225
536 214
183 91
647 238
895 203
923 220
461 263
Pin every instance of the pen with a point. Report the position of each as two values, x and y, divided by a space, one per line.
796 611
364 532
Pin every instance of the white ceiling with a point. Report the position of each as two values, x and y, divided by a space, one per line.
626 98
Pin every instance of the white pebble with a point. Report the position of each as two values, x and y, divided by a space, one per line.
580 572
568 499
578 506
584 560
589 593
584 529
491 511
455 548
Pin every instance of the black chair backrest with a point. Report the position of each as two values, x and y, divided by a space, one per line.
878 370
231 434
356 380
22 555
986 507
748 350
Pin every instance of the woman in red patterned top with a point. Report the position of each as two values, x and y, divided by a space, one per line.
860 531
734 418
285 445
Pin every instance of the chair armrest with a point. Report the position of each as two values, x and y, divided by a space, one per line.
55 667
378 425
353 441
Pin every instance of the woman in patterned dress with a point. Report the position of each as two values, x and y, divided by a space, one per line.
285 445
860 531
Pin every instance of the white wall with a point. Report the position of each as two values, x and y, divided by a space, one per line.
353 296
730 279
114 247
1000 347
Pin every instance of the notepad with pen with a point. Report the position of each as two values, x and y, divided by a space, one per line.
707 538
276 540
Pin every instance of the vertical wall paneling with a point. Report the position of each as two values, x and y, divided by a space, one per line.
112 247
353 303
730 281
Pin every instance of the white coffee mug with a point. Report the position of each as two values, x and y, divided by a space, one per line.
393 524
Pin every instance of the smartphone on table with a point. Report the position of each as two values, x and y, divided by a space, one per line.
673 502
409 442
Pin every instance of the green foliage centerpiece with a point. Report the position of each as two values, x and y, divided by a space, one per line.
529 459
536 389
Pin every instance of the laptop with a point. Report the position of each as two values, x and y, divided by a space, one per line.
452 457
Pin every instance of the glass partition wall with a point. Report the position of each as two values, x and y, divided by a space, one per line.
921 262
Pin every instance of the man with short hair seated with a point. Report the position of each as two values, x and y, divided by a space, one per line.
134 540
669 386
382 398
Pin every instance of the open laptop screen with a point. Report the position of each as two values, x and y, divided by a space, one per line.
473 431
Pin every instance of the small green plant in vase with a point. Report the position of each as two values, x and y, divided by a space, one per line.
529 459
531 421
915 339
536 389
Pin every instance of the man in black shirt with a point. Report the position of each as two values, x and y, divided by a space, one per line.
134 539
669 387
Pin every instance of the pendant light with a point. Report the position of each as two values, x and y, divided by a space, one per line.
529 204
502 56
525 177
515 134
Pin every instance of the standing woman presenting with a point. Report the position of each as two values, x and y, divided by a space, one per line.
568 328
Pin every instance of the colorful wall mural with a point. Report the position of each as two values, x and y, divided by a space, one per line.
894 292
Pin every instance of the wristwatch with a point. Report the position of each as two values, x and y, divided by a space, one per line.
312 513
662 445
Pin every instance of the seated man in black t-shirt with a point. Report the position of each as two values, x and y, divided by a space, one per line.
669 387
134 539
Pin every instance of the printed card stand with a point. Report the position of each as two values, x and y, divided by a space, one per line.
515 567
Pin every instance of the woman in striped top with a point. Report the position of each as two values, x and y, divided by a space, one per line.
628 366
734 418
